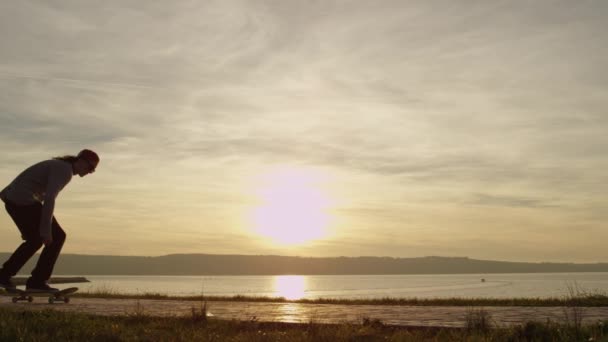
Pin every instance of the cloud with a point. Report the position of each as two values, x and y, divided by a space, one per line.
495 103
511 201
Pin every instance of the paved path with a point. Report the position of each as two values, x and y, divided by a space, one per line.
447 316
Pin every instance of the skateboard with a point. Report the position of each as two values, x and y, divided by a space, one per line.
24 295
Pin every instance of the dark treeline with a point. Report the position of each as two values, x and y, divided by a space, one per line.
208 264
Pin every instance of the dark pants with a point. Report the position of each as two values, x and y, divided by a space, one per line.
27 219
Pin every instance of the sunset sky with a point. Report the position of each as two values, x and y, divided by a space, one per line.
315 128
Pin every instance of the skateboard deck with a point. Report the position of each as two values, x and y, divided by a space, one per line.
25 295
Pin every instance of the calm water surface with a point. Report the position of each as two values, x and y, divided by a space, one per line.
358 286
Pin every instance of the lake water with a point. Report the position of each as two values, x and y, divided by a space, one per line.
358 286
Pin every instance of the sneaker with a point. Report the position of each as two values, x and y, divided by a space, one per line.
39 287
7 284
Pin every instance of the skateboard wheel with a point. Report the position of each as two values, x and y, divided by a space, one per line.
51 300
30 299
15 299
66 300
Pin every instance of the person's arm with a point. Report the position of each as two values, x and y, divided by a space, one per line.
56 181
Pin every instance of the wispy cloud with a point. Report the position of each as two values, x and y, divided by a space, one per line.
441 103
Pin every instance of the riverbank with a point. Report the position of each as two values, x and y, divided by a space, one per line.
89 319
290 312
573 299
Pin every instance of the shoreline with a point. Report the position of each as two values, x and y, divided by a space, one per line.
407 316
574 299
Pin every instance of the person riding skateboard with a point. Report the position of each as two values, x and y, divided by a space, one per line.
30 200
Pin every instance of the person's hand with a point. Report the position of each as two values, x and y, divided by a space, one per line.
47 241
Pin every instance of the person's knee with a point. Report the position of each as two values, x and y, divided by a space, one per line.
59 237
58 233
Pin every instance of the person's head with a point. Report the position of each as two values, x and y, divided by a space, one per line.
86 162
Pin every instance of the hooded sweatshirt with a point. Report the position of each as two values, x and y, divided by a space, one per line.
40 183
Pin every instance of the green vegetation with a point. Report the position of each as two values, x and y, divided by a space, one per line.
48 325
574 299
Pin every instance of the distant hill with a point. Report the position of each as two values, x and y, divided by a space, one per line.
210 264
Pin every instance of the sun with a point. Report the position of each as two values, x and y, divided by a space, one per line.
293 206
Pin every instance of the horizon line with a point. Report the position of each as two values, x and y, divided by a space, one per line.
329 257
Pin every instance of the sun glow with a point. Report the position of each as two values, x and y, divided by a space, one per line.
290 287
293 207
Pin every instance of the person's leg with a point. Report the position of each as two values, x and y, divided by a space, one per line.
46 263
27 219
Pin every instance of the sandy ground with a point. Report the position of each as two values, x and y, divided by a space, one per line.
450 316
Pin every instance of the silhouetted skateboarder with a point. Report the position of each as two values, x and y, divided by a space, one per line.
30 200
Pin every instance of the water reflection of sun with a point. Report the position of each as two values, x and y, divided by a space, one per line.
290 287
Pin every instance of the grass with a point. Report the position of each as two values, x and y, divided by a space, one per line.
47 325
574 299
